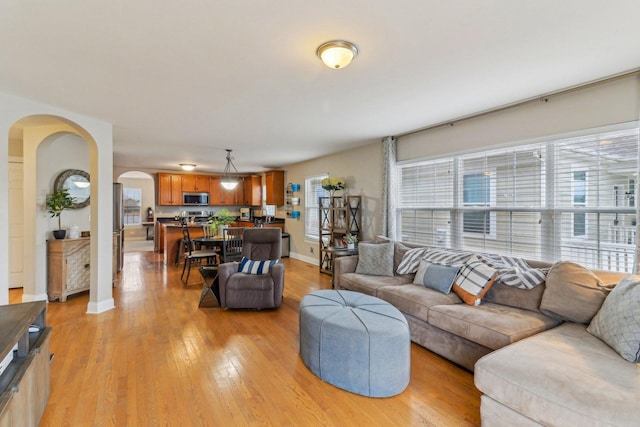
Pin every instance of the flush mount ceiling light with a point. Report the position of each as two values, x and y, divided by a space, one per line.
187 166
230 179
337 53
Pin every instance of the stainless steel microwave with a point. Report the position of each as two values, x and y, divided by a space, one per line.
195 199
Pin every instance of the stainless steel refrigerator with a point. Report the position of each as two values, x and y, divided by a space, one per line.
118 221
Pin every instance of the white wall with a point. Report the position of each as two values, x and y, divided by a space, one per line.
56 154
362 169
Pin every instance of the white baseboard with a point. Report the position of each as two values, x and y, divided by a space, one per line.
101 306
31 298
307 259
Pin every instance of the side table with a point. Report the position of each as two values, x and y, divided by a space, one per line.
210 296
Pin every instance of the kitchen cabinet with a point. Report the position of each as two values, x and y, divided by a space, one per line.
69 268
169 189
25 383
252 194
274 181
218 196
195 183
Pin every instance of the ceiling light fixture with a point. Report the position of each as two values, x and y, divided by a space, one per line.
187 166
337 53
230 179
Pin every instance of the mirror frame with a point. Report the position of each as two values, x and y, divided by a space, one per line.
61 180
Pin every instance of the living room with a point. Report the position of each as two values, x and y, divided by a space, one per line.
500 108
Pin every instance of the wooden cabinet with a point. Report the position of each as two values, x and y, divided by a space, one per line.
218 196
25 383
169 189
68 262
197 183
252 191
274 181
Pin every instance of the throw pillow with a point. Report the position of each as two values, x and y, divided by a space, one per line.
256 267
411 260
375 259
435 276
573 293
474 280
618 321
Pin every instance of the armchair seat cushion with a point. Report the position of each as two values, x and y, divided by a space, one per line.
247 281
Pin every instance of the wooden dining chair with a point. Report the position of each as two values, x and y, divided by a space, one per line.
232 244
193 256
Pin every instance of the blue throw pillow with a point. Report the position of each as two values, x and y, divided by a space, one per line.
256 267
439 277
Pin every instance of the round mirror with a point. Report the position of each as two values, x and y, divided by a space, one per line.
78 184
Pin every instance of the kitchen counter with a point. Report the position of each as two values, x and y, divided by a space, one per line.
171 236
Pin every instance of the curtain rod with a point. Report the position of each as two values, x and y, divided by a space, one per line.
543 97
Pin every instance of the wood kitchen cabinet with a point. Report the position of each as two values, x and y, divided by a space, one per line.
274 181
195 183
169 189
69 268
252 191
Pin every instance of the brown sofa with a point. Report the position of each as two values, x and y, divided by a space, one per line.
529 359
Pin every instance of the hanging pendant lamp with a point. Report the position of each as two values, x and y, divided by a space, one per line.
230 179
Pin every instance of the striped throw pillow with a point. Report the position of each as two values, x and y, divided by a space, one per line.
474 280
256 267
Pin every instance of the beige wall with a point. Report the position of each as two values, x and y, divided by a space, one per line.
362 169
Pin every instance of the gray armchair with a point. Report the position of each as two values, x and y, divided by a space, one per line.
256 291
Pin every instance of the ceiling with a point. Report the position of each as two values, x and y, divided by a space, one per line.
182 81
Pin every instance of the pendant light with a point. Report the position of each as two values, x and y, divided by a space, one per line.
230 179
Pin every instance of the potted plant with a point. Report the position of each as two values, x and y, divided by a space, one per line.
221 220
350 240
56 203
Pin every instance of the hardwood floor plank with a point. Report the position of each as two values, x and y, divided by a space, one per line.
158 359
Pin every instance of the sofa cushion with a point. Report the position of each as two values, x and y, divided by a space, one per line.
369 284
435 276
474 280
618 321
528 299
573 293
375 259
563 377
415 300
491 325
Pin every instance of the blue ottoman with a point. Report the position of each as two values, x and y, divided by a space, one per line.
355 341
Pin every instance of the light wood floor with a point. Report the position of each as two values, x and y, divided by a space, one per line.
158 359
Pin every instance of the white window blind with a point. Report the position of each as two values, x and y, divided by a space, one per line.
559 199
312 191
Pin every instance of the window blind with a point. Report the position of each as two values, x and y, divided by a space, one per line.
312 191
558 199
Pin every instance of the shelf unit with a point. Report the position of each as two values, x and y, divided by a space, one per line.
337 216
292 202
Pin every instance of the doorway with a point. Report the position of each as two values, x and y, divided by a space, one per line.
138 211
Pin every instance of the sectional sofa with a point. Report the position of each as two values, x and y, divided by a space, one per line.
532 356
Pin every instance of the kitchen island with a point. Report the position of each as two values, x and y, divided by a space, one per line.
172 238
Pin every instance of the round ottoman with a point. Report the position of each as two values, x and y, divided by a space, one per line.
355 341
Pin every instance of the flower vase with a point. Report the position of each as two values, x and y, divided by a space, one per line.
351 246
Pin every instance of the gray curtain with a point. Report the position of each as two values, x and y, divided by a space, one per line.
389 187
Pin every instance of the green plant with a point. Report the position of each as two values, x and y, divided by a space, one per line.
58 202
350 238
221 218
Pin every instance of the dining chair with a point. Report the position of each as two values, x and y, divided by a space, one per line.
191 255
232 244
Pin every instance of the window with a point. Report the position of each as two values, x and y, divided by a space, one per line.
571 198
477 192
579 200
132 206
312 191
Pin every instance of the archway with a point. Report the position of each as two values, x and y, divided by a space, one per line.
139 207
31 133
